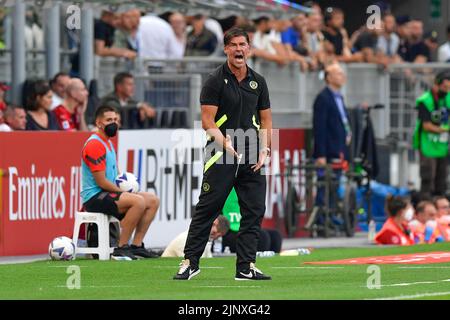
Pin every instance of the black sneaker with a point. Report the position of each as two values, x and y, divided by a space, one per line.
186 272
251 274
141 252
123 253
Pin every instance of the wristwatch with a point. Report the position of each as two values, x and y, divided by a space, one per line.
267 149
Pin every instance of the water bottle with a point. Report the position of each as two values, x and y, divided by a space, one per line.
265 254
295 252
303 251
217 248
372 231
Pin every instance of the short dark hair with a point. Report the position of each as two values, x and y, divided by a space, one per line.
249 28
120 77
441 76
233 33
330 12
423 204
59 74
100 112
437 198
11 109
37 88
260 20
223 224
394 204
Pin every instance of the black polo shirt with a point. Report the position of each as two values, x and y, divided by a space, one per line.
238 103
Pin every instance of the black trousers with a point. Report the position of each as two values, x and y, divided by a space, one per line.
217 183
433 175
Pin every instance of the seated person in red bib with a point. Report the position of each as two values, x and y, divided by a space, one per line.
425 224
443 217
395 230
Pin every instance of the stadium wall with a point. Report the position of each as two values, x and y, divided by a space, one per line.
40 181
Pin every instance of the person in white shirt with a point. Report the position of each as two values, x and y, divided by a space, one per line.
156 39
178 23
15 119
176 247
444 50
58 85
389 41
215 27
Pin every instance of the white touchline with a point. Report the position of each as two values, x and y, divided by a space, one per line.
415 296
227 287
406 284
171 267
307 267
426 267
99 286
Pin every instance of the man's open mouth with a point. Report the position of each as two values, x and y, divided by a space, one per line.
239 57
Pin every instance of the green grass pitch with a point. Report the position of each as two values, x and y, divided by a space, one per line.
152 279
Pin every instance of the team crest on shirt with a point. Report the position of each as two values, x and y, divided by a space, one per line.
226 81
206 187
253 85
66 125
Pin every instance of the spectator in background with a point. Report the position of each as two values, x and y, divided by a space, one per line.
331 132
260 53
104 30
365 47
444 50
178 23
443 216
296 34
34 36
3 89
15 119
414 49
71 113
58 85
388 41
315 39
38 103
230 22
336 37
214 26
396 230
279 26
176 247
157 39
431 41
424 226
403 32
125 34
122 96
200 41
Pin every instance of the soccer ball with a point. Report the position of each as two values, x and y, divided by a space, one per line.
61 248
127 182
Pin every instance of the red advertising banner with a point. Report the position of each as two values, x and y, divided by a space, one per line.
39 189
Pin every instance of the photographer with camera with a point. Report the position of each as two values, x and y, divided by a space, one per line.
431 135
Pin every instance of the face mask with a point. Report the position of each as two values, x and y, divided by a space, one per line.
409 214
111 129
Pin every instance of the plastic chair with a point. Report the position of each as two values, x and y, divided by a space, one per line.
102 221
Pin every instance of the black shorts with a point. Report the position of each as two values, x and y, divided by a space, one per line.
105 202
